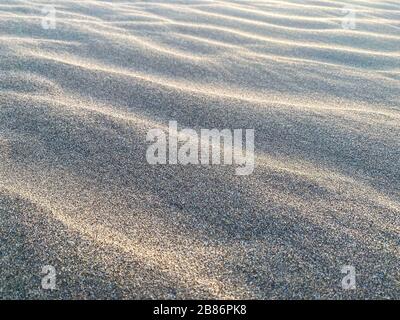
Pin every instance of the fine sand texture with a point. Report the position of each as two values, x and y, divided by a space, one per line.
76 191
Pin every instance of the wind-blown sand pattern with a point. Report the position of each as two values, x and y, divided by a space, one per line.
76 191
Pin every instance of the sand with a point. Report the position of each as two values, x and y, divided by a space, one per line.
77 193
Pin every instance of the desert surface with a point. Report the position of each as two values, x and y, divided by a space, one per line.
83 82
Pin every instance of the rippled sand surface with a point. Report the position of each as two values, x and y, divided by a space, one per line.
77 193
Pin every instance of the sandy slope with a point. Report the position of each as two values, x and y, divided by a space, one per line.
76 191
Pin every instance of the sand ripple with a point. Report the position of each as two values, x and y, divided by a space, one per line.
76 191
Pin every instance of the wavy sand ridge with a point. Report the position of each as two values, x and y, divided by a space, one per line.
76 190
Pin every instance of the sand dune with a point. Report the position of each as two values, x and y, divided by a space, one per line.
76 191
